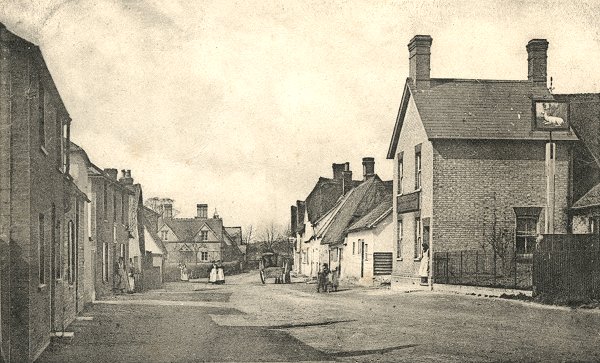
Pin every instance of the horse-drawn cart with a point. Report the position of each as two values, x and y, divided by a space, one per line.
273 266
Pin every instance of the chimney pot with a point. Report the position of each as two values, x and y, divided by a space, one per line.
537 61
368 167
338 170
202 210
112 173
419 60
126 177
168 210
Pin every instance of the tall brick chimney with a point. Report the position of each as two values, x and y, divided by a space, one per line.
126 177
112 173
368 167
347 180
301 210
168 210
537 61
419 64
293 221
201 210
338 169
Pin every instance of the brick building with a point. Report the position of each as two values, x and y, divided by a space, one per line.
467 162
41 208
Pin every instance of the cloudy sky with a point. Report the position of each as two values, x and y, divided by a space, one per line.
244 104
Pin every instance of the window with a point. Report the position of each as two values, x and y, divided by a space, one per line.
164 235
418 167
526 233
353 248
63 145
55 240
122 251
418 237
400 172
366 252
123 199
114 206
361 242
71 251
105 199
399 242
203 236
105 262
204 256
41 113
41 250
114 233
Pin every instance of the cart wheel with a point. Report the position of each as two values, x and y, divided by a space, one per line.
262 276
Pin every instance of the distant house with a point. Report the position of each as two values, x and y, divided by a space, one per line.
468 162
198 240
368 250
305 214
327 244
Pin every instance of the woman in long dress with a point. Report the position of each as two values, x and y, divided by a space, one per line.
212 275
220 273
131 277
424 267
184 273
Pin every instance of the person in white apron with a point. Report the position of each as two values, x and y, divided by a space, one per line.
220 273
184 273
424 267
212 275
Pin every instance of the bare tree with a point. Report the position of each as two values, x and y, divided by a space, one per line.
269 235
158 205
497 234
247 235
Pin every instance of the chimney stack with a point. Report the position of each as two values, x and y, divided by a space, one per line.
112 173
202 211
126 177
368 167
338 169
537 59
419 50
293 221
347 180
300 211
168 210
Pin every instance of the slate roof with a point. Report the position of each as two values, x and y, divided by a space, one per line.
376 215
187 228
355 205
235 233
324 196
475 109
590 199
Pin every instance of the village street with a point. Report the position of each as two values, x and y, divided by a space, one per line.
247 321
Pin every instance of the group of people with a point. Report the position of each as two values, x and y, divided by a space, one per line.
124 277
327 280
216 274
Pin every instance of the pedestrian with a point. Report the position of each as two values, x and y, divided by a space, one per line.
424 267
220 273
212 273
322 278
184 273
334 279
120 277
131 277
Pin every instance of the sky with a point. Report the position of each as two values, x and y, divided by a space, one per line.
244 104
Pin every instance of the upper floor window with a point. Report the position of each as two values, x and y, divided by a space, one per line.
114 206
41 250
41 113
123 204
204 236
400 172
105 199
164 235
399 242
418 167
204 256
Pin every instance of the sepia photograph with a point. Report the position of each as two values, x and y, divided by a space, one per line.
299 181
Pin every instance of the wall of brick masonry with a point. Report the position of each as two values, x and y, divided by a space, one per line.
468 173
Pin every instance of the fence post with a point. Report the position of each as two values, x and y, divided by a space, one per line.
495 267
461 267
477 266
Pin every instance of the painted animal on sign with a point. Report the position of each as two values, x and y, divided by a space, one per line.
551 120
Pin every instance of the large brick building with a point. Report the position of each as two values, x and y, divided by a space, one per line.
41 209
467 162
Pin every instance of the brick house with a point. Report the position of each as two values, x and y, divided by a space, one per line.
41 213
324 195
467 161
197 240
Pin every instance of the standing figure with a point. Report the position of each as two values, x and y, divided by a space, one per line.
322 278
333 279
212 273
220 273
424 267
184 273
120 279
131 277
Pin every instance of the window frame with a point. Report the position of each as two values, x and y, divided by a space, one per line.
400 170
203 236
527 235
41 249
399 239
418 238
71 246
418 169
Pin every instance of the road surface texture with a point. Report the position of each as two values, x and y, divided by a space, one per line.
246 321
